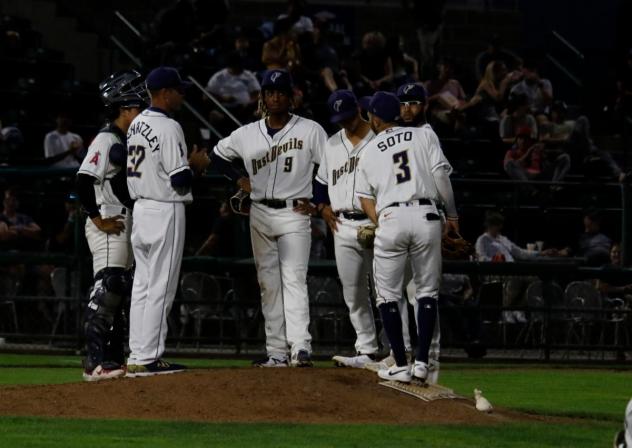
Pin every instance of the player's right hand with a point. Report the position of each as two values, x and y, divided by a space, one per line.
330 218
111 226
244 184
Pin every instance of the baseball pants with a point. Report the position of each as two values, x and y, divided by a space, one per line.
158 242
281 240
354 264
407 232
110 251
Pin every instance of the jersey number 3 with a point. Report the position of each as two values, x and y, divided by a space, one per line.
401 159
136 155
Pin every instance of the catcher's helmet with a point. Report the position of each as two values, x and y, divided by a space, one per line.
124 89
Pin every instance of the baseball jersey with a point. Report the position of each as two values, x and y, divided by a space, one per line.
156 150
98 165
397 166
279 167
339 169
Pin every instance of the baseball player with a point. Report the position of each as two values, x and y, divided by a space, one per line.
279 152
335 196
159 180
103 194
403 175
412 109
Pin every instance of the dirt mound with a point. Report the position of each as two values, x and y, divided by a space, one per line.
244 395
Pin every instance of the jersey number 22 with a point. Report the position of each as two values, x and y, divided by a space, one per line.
136 155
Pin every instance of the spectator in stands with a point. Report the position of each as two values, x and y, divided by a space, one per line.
326 63
518 116
295 16
64 239
17 230
11 141
62 148
445 95
495 52
482 109
374 65
221 241
592 245
459 307
528 160
616 289
494 246
249 56
539 91
623 102
405 67
575 137
237 89
281 51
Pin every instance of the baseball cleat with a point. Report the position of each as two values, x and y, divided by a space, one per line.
357 362
270 361
420 371
395 373
301 359
158 367
100 373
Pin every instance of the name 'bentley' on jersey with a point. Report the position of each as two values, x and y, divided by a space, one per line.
276 151
145 130
348 168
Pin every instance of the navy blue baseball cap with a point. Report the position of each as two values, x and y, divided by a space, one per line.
385 105
165 78
277 80
343 105
411 92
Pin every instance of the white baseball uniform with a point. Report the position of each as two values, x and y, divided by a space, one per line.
107 250
338 170
156 151
397 172
280 170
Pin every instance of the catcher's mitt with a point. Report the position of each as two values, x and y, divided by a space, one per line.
366 235
240 203
455 247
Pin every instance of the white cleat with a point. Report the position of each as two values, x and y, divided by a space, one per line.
356 362
420 371
100 373
394 373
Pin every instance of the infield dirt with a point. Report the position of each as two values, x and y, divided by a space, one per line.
246 395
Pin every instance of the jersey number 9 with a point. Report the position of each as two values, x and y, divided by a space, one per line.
136 155
288 165
401 159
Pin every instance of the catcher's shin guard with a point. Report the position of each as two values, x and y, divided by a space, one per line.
104 323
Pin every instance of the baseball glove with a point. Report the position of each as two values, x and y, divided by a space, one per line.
240 203
366 235
455 247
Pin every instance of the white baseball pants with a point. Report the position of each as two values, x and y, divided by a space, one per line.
158 242
407 232
354 263
113 251
281 240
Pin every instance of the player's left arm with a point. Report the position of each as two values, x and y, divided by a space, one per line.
441 169
173 156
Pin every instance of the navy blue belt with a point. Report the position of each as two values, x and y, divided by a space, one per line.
276 203
353 216
423 201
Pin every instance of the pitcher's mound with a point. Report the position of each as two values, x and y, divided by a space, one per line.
244 395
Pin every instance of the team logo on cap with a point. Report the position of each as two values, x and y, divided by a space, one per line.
275 76
337 105
408 88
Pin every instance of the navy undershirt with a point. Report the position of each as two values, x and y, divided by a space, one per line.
272 132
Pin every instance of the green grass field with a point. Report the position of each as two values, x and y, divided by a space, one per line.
595 398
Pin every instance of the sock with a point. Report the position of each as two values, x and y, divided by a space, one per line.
392 322
426 319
